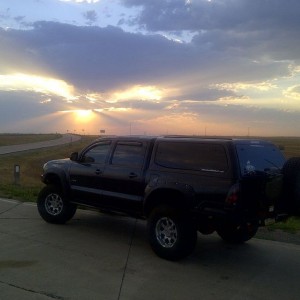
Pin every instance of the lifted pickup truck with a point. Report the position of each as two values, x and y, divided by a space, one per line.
178 184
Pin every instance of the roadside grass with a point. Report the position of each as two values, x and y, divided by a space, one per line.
31 162
8 139
27 187
290 145
291 225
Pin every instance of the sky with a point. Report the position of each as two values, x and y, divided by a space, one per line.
199 67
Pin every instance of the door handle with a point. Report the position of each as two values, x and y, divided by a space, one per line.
132 175
98 172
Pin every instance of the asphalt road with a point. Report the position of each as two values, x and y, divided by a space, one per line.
96 256
65 139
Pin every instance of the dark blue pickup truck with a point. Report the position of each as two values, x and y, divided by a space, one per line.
179 184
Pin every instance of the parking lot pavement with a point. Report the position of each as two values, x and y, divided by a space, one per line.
97 256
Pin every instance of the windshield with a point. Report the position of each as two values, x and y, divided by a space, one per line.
259 157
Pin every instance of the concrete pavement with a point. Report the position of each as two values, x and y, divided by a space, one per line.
96 256
65 139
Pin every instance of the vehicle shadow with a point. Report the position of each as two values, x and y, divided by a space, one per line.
210 249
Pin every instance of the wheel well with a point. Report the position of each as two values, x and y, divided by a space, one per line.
169 197
53 179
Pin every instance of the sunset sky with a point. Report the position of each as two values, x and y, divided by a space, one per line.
214 67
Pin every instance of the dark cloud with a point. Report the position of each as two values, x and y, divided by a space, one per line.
234 41
103 59
99 58
243 27
91 16
198 15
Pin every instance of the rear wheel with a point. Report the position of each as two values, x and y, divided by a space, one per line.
237 233
172 235
53 207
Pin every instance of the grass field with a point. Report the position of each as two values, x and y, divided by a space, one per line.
17 139
31 163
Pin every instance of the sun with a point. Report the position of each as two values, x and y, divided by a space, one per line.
83 115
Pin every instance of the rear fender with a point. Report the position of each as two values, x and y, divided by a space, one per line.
170 193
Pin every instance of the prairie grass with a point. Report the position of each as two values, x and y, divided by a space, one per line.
31 163
18 138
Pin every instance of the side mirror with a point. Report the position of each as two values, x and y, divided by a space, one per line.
74 156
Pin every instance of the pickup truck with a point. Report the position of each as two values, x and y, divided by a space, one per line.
179 184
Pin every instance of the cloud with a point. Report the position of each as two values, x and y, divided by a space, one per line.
243 27
90 16
292 92
199 15
104 59
190 60
95 58
81 1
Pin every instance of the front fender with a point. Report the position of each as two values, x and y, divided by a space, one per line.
55 172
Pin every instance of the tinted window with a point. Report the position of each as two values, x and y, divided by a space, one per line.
192 156
129 154
97 154
259 157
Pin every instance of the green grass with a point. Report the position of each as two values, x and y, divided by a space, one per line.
291 225
18 192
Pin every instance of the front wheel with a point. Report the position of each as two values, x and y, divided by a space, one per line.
172 235
53 207
237 233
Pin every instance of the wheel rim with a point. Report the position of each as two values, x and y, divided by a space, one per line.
166 232
54 204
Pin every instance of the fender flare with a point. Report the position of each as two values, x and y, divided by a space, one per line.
183 196
55 176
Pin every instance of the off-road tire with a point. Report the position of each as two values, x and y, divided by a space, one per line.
171 233
291 186
237 233
53 206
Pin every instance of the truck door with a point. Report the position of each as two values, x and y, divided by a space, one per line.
123 180
85 174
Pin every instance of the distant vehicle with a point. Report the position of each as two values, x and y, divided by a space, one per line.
178 184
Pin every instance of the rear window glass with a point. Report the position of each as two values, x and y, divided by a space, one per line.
259 157
129 154
192 156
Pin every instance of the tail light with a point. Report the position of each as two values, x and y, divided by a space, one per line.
233 195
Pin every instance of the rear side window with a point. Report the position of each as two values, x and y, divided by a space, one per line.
129 154
192 156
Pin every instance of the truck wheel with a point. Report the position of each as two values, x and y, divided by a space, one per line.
172 235
291 185
53 207
237 233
